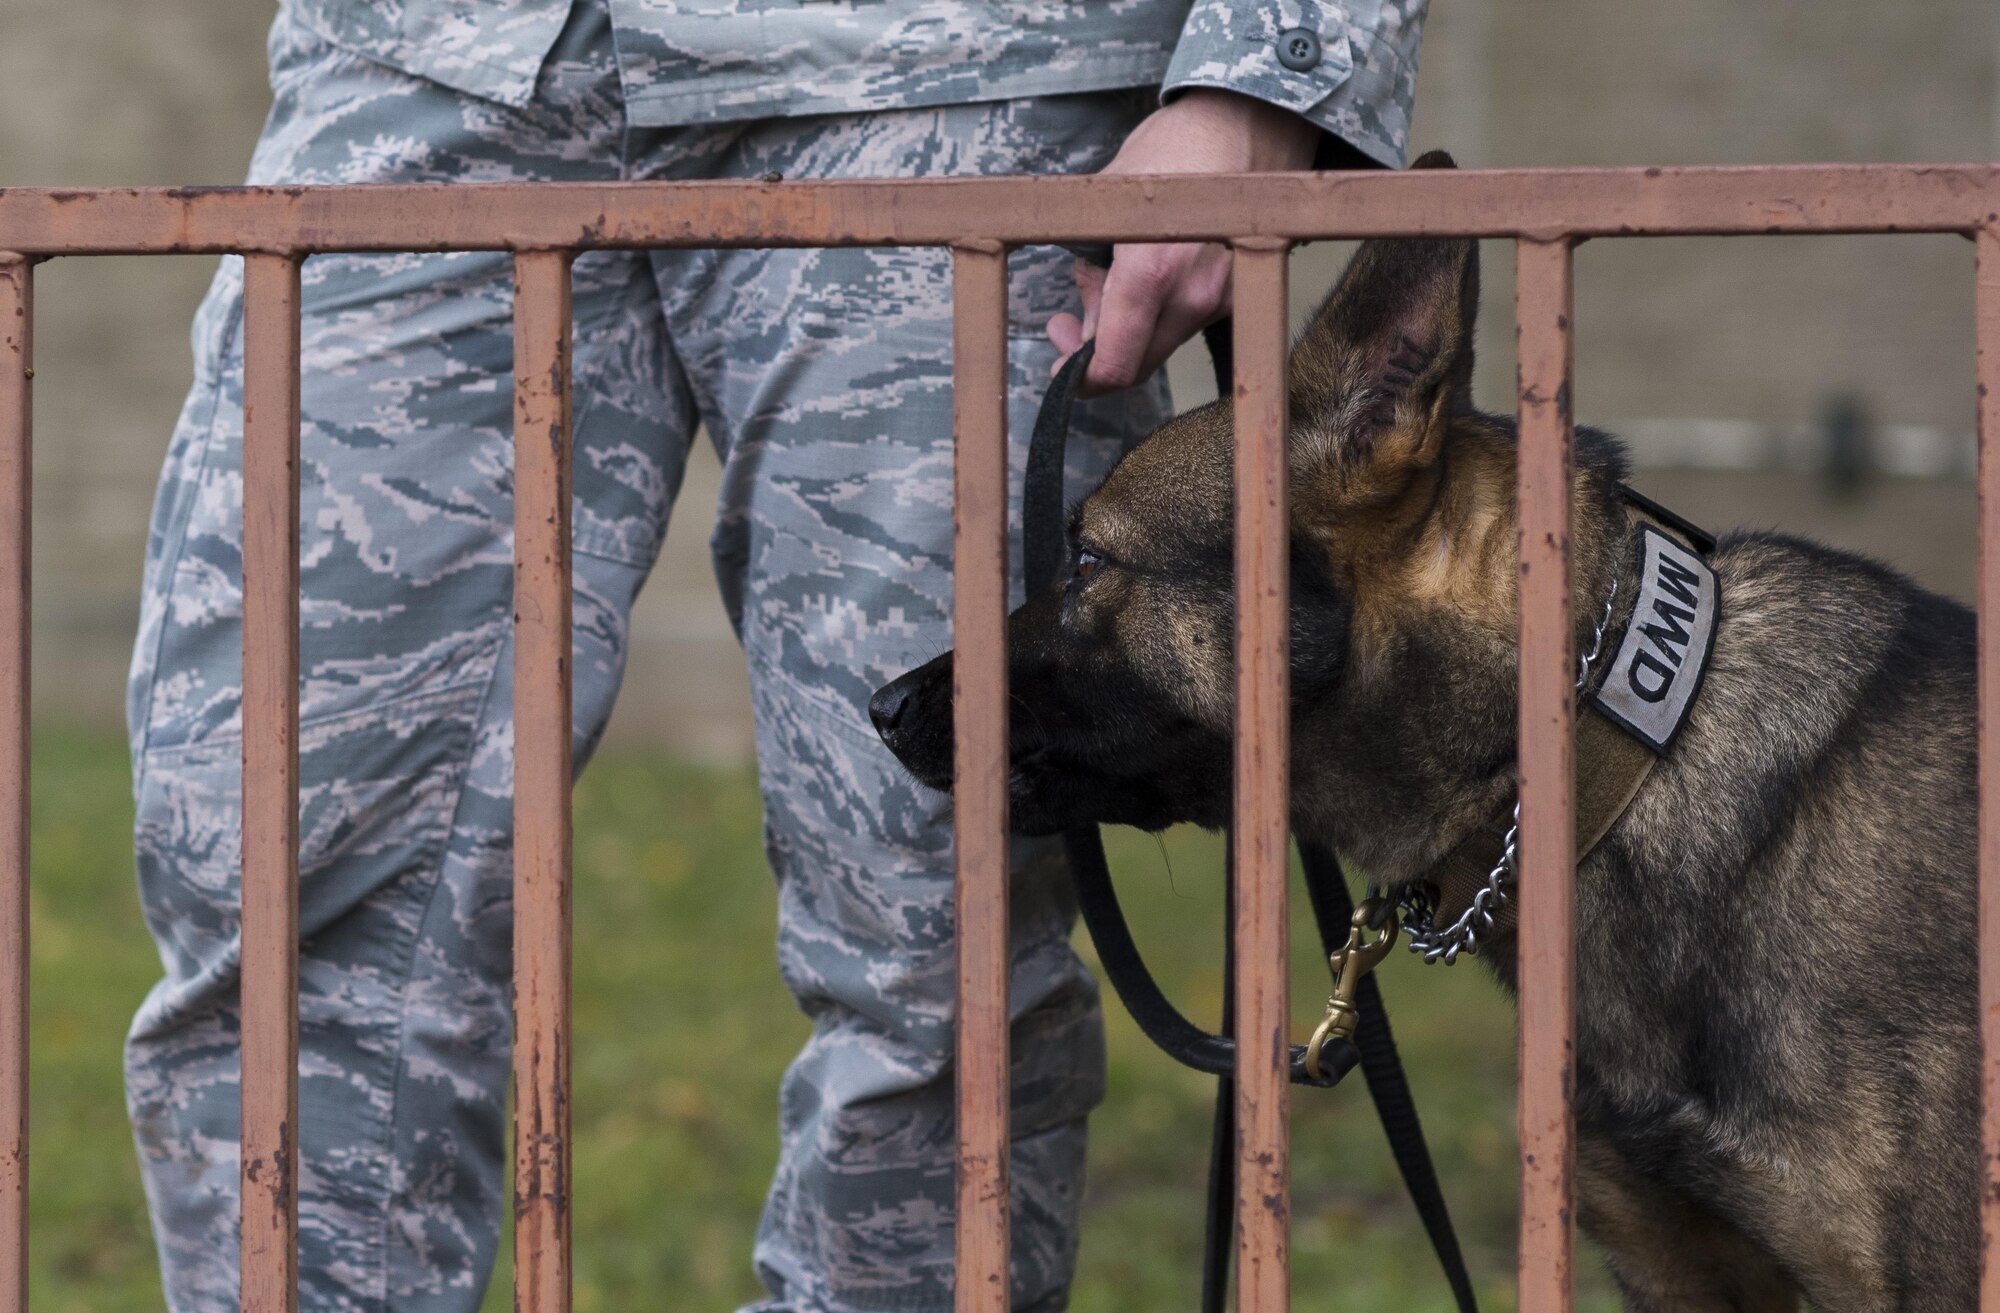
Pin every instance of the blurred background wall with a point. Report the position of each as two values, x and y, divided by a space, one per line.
1817 384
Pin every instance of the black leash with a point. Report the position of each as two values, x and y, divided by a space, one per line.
1044 553
1388 1087
1218 1228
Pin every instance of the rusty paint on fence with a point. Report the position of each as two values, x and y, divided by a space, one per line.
1547 850
270 999
1262 832
1987 324
546 224
940 212
542 441
979 774
17 370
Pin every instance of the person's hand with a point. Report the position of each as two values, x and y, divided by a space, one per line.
1156 297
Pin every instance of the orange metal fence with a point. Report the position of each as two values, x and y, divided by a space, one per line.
1545 211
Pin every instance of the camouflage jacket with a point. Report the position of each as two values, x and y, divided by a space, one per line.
1350 66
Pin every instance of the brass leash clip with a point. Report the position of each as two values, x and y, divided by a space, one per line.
1353 960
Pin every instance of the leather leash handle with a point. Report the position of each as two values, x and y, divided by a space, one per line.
1162 1022
1374 1047
1043 555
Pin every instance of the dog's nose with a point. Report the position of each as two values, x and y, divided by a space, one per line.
886 708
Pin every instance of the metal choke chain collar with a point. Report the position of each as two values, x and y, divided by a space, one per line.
1445 943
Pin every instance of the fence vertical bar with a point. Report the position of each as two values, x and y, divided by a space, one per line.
1987 333
1547 850
1261 838
17 370
542 440
270 1000
979 793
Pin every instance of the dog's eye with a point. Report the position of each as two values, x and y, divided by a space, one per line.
1087 564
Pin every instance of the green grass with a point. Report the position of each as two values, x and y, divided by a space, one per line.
683 1029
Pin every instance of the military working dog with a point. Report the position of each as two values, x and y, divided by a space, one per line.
1776 1084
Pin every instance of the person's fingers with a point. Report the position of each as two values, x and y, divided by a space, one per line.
1141 281
1152 299
1090 279
1178 322
1066 331
1174 292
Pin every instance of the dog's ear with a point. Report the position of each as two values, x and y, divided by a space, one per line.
1387 359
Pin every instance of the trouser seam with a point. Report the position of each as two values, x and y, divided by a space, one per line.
170 559
389 1122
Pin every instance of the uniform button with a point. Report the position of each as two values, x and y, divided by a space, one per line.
1298 48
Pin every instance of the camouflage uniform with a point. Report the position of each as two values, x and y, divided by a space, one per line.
1348 65
823 378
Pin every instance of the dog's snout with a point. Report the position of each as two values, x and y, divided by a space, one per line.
912 715
886 708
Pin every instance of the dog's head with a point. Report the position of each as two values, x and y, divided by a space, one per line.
1402 575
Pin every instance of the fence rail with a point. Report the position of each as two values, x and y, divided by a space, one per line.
17 369
1545 211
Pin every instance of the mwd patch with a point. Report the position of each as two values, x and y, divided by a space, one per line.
1651 683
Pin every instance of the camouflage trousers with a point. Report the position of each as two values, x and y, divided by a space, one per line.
823 378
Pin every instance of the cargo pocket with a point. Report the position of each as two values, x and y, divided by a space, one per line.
378 788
